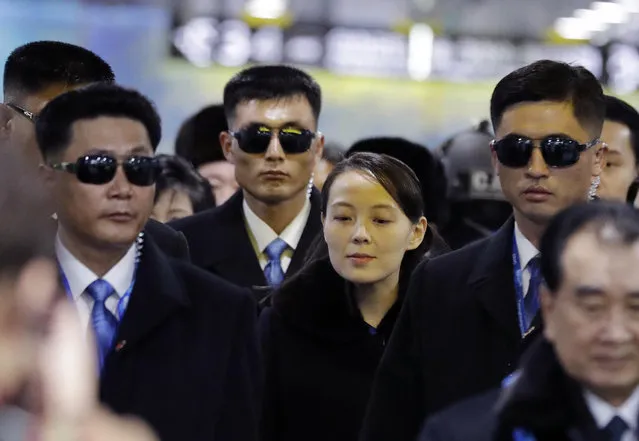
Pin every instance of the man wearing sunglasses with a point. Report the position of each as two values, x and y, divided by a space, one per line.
39 71
260 235
469 313
176 345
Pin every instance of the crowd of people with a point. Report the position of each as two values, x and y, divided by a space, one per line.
264 283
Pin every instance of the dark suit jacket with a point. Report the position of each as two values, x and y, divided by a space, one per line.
219 243
186 356
172 242
543 401
457 335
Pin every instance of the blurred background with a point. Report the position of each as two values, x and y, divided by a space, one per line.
421 69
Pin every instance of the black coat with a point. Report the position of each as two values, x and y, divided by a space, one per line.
219 243
186 356
543 401
320 358
456 336
168 240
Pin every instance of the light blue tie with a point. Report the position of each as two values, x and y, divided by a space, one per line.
531 301
105 324
273 272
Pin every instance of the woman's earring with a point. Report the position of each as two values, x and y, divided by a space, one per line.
594 186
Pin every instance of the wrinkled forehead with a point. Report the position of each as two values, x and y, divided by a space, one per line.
602 259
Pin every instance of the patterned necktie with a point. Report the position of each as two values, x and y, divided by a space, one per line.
105 324
531 301
615 429
273 272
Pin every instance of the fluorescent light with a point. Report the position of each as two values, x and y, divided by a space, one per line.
591 20
420 52
572 28
267 9
612 13
630 6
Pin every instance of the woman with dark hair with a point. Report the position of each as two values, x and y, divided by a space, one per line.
326 330
180 190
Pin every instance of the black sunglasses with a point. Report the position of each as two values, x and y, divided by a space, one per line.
100 169
558 151
257 139
29 115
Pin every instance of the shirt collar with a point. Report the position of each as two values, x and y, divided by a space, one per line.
526 249
79 277
264 234
603 412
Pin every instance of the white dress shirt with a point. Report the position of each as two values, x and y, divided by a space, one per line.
527 252
79 277
603 412
262 235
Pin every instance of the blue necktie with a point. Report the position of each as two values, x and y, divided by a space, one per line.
615 429
273 272
531 301
105 324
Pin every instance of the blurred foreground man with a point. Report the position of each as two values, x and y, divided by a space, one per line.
39 338
580 381
469 314
176 345
39 71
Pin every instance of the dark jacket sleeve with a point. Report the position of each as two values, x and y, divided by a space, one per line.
268 422
395 410
172 243
242 394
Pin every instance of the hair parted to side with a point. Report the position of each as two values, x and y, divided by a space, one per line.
621 112
619 220
35 66
54 125
275 82
178 174
547 80
27 231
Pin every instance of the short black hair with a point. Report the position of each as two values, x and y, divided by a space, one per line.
547 80
271 83
198 140
178 174
621 217
333 153
621 112
35 66
423 163
53 127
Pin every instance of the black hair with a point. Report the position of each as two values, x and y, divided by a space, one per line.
35 66
53 127
178 174
623 113
271 83
198 140
333 153
26 232
547 80
399 181
621 217
426 167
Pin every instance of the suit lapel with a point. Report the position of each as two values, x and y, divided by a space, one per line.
235 259
157 295
492 281
312 228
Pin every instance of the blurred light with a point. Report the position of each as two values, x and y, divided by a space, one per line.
612 13
420 52
630 6
267 9
572 28
196 40
590 20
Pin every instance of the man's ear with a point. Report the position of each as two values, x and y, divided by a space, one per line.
6 122
600 159
226 141
319 146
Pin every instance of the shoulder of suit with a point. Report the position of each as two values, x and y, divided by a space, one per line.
457 261
207 287
196 221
